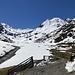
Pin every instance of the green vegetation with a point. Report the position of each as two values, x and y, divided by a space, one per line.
71 50
57 54
4 71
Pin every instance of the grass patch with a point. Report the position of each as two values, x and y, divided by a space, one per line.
71 50
59 54
4 71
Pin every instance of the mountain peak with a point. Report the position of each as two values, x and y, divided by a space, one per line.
2 23
47 27
54 21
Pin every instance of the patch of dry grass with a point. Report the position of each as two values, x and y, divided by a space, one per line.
57 54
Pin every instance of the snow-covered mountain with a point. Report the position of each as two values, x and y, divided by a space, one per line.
51 34
50 31
43 30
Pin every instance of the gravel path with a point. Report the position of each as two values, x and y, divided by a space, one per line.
51 69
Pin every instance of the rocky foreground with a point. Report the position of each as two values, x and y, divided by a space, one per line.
57 68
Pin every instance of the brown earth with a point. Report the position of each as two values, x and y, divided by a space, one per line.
57 68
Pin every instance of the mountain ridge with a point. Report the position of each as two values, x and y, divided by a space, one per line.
45 28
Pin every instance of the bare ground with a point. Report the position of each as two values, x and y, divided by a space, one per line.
57 68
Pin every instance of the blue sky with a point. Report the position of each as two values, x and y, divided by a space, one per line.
31 13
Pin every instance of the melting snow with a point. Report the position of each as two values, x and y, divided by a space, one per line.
70 66
27 50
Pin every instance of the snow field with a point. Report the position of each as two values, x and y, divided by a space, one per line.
26 51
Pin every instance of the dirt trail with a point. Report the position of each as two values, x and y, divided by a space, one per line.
51 69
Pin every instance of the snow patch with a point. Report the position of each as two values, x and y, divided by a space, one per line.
70 66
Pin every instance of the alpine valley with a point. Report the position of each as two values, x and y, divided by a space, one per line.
54 37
